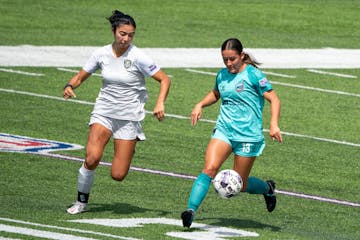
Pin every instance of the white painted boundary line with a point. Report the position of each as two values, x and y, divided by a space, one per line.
273 82
45 96
319 139
279 74
179 117
266 72
75 71
184 176
66 56
331 73
200 231
52 235
40 233
94 74
318 198
20 72
290 85
315 89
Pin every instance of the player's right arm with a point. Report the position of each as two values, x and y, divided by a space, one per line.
211 98
75 82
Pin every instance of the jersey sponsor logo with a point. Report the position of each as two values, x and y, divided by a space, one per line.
152 68
263 82
127 63
15 143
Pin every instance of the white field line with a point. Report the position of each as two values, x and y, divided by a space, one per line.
190 177
94 74
316 89
279 74
45 96
318 198
39 233
290 85
20 72
48 235
179 117
75 56
214 74
201 72
75 71
331 73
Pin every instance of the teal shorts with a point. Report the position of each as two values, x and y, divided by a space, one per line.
245 149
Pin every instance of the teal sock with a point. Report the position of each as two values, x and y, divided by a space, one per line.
199 191
256 186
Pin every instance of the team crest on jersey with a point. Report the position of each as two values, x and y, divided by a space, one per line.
127 63
263 82
239 87
15 143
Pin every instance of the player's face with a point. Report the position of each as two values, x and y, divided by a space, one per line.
124 35
233 60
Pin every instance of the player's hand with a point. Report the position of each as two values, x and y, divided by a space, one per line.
159 111
196 114
275 134
68 93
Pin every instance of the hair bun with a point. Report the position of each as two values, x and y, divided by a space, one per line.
118 13
118 18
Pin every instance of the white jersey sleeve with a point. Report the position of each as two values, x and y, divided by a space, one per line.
145 64
92 63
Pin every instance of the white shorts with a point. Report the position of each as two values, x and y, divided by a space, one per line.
121 129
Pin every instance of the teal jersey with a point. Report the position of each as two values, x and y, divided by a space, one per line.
242 103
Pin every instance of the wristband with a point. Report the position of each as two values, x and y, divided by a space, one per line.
69 85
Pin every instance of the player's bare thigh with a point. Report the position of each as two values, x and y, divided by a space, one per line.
98 138
216 153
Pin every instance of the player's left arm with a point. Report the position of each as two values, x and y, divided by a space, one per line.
275 106
164 80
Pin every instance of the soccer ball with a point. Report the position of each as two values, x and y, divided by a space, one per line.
227 183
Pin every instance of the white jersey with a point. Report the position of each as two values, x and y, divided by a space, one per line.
123 93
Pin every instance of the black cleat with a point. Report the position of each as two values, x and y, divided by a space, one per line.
270 198
187 217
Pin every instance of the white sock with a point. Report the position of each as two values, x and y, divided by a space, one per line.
85 179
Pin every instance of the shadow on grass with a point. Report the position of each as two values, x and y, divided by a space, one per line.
241 223
122 208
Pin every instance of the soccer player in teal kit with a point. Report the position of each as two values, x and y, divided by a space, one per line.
242 88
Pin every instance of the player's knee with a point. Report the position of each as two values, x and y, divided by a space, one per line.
92 161
210 171
91 165
118 176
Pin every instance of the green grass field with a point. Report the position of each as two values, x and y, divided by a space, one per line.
319 157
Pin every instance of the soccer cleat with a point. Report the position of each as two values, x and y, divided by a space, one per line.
187 217
77 208
270 198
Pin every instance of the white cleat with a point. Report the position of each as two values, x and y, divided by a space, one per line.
77 208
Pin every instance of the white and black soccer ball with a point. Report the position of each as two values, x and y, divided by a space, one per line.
227 183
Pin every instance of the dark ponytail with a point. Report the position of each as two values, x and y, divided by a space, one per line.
250 60
236 45
118 18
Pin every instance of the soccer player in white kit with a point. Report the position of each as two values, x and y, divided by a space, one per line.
119 107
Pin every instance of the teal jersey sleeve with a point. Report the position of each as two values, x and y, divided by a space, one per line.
259 80
216 88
